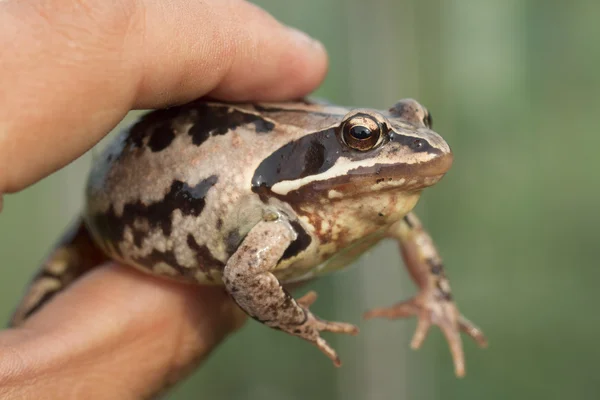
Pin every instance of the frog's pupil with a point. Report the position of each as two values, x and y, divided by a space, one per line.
360 132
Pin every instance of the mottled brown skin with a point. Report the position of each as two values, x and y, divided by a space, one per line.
254 196
155 205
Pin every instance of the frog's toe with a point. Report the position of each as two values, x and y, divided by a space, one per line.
437 311
328 351
472 330
312 326
308 299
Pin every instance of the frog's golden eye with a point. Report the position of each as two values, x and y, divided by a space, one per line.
427 120
361 132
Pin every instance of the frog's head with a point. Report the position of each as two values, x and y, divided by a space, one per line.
365 152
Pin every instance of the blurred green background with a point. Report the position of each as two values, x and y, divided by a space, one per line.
513 86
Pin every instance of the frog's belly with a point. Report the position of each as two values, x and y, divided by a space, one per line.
164 265
193 275
297 272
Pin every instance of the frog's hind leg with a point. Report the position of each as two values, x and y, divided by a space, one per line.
257 291
74 254
433 304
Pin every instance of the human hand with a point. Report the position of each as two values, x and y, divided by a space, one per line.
71 70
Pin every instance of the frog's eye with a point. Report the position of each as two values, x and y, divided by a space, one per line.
427 120
361 132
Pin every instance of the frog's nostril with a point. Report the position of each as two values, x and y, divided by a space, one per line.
417 144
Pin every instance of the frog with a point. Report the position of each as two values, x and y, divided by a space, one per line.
259 198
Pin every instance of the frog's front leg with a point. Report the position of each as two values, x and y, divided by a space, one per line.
433 304
258 292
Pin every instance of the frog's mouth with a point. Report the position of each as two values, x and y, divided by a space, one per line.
391 176
438 166
372 179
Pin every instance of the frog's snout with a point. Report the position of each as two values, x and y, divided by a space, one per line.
437 167
443 159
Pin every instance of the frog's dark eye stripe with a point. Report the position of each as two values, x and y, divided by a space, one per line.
416 144
361 132
309 155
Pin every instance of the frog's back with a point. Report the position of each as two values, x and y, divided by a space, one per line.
173 193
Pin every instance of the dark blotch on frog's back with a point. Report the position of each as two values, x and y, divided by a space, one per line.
215 120
190 200
159 127
161 137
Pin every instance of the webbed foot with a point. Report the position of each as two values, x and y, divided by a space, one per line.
431 307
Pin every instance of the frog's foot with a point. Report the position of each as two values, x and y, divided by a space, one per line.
431 308
311 327
72 257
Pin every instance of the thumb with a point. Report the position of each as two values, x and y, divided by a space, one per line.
77 67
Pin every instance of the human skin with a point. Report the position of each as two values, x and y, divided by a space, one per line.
70 71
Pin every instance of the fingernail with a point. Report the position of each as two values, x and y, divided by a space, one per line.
303 39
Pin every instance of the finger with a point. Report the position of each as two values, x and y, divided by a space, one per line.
115 319
71 69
